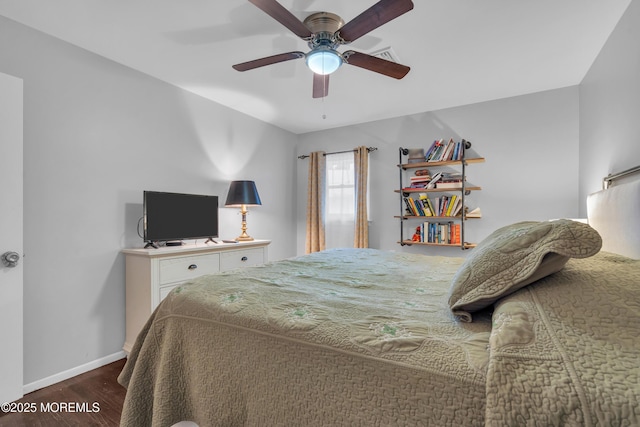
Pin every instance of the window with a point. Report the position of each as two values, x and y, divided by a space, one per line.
340 200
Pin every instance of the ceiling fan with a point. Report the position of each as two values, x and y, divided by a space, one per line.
324 32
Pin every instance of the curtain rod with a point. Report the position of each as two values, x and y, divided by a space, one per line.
369 149
606 181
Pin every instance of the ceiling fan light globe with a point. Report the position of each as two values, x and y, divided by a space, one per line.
324 61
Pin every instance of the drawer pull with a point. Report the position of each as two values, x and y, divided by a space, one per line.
192 267
244 258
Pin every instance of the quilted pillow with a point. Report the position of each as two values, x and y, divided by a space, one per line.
515 256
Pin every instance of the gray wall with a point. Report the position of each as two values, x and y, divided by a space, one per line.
96 135
530 144
610 107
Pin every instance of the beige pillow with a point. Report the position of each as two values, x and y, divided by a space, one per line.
515 256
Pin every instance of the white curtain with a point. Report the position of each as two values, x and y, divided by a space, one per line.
340 200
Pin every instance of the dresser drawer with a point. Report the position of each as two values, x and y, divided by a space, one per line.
185 268
164 291
244 258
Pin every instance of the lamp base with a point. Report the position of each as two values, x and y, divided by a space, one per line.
244 237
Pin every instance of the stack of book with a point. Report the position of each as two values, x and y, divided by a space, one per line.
442 151
416 155
419 181
424 180
450 180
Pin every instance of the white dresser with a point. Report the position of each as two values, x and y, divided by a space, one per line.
152 273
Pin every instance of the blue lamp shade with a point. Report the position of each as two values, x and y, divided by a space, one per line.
242 193
323 60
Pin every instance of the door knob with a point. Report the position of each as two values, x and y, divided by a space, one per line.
10 259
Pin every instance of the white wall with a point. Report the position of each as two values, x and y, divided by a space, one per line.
530 144
610 107
96 135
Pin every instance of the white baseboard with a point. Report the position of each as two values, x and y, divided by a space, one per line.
70 373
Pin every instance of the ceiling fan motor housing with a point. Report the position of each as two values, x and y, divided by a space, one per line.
323 26
323 22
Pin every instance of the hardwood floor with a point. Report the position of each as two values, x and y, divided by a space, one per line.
91 399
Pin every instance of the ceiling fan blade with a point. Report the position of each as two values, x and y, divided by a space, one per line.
372 63
283 16
256 63
372 18
320 85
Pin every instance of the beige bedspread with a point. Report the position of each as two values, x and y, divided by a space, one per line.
341 338
365 338
566 351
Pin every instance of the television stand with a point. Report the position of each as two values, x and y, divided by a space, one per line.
151 244
210 239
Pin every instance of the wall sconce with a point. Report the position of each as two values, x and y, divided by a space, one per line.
242 194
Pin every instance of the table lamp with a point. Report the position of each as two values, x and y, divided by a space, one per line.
243 194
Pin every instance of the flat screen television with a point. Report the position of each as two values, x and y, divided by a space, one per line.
173 217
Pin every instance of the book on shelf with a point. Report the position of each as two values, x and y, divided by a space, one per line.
451 176
450 204
414 210
432 150
427 201
416 155
424 202
455 239
419 181
456 151
407 205
449 184
427 152
442 203
446 200
448 152
419 208
475 213
434 179
457 207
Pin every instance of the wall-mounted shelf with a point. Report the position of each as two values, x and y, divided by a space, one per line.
443 217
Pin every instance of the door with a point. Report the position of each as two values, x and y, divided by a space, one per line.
11 365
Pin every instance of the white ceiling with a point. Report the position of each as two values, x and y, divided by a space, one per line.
459 51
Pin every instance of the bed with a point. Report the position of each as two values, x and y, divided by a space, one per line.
537 326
